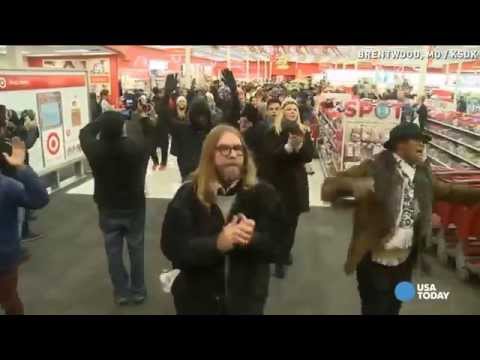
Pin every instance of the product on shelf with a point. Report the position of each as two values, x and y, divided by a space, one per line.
468 122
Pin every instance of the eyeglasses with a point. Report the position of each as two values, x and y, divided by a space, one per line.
226 150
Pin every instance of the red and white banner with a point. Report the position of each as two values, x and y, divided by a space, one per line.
33 82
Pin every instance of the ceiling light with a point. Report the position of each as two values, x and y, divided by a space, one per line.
72 51
98 53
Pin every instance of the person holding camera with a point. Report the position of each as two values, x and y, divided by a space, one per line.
288 147
25 128
118 166
25 190
142 130
188 133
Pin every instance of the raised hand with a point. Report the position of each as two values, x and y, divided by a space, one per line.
229 79
17 159
171 83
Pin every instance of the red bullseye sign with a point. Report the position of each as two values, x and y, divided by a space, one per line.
53 143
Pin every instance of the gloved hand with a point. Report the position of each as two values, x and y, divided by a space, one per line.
171 83
229 80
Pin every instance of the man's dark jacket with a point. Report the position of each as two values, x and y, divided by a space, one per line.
189 241
118 169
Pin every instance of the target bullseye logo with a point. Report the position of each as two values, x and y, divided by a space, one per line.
53 143
3 83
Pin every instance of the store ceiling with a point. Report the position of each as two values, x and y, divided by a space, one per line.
61 50
322 53
298 53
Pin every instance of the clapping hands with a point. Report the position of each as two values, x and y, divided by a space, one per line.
295 141
238 232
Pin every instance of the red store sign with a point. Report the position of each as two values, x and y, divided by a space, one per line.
31 82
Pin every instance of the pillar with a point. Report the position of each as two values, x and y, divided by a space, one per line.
258 69
188 65
229 58
14 57
423 74
265 73
459 71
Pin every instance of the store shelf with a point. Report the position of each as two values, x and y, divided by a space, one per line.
327 120
453 127
454 140
331 142
332 159
438 161
323 166
454 155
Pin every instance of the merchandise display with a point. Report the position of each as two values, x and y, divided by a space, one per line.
355 130
331 134
455 139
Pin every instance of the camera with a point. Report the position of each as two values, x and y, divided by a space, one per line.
293 128
147 108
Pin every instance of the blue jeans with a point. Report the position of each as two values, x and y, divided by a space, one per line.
21 219
116 226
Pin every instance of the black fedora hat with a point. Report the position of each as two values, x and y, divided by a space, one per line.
406 131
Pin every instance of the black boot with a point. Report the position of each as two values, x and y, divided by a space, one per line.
290 260
279 271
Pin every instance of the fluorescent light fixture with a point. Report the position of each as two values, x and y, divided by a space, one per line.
56 55
72 51
98 53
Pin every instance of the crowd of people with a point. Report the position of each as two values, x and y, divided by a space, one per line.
243 152
242 166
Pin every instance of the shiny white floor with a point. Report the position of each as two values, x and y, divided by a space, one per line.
164 184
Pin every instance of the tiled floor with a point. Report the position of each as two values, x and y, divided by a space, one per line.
68 273
164 184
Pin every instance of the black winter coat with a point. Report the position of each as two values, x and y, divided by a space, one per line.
142 132
188 135
254 138
117 167
209 278
287 171
188 146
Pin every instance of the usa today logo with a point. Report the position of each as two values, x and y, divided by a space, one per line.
406 291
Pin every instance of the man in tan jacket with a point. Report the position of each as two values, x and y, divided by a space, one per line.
394 193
